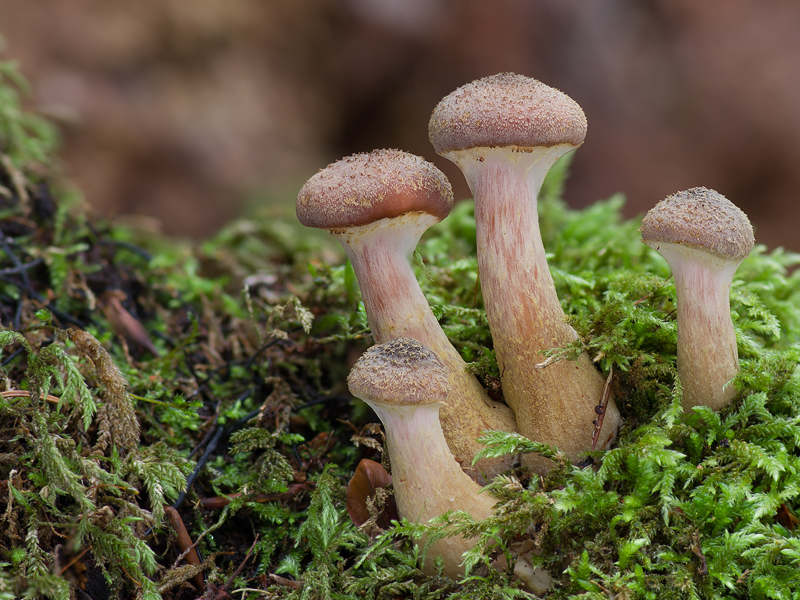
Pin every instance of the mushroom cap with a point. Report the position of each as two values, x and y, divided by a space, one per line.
364 188
401 372
702 219
506 110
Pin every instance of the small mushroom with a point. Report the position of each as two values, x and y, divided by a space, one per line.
405 384
704 238
505 132
378 205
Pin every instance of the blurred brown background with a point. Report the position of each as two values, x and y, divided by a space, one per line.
189 110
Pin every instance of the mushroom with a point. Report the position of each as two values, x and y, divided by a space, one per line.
378 205
704 238
505 132
405 384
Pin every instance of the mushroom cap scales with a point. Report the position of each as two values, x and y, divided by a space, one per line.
364 188
400 372
506 110
702 219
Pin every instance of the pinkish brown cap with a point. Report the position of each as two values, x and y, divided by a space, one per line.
506 110
702 219
364 188
401 372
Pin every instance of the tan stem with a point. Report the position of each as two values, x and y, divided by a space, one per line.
396 307
708 358
556 404
427 480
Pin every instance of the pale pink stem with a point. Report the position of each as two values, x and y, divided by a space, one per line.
556 404
396 307
427 480
708 358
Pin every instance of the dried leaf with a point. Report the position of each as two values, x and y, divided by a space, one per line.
785 517
362 491
188 549
123 323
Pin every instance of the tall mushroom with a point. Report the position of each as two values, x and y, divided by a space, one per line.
704 238
505 132
405 384
378 205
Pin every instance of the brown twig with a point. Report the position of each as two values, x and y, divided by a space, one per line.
73 561
26 394
218 502
221 592
550 360
643 298
188 549
697 550
290 583
600 409
241 566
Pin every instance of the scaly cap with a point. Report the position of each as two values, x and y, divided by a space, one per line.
401 372
506 110
364 188
702 219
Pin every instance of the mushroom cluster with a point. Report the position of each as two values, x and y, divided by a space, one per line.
504 132
378 205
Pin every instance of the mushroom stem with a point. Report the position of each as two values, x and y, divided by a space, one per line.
704 238
380 254
556 404
428 482
708 358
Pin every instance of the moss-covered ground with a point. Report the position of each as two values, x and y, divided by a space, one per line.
148 384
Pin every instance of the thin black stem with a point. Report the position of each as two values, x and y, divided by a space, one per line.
21 267
222 433
128 246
